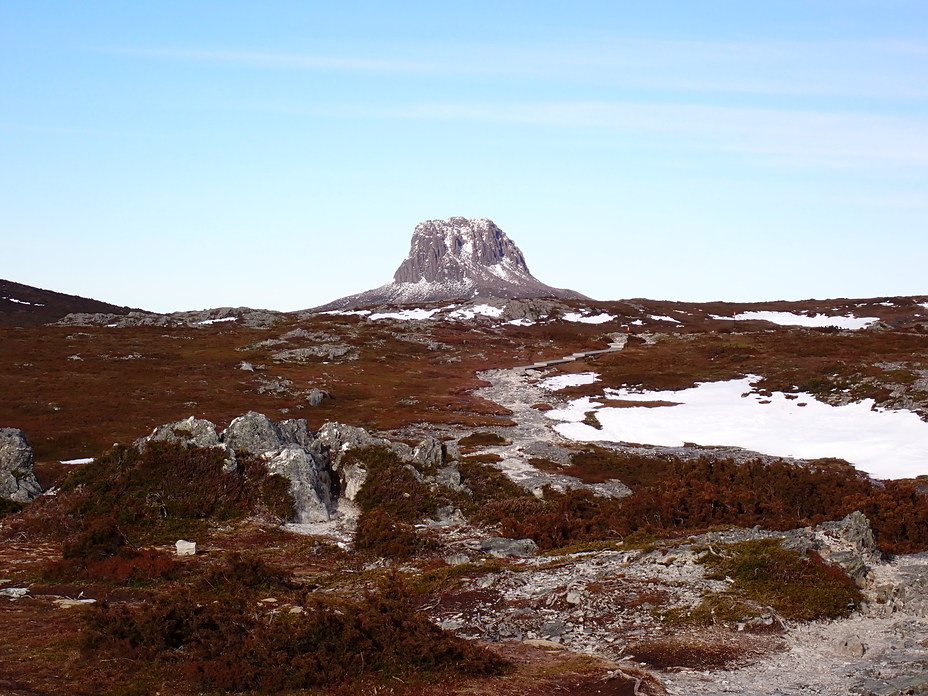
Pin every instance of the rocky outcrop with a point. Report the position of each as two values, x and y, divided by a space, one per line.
310 482
191 432
254 433
17 480
457 259
239 316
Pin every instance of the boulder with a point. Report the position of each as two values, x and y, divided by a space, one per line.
315 396
17 480
430 453
310 482
254 433
191 432
850 646
501 547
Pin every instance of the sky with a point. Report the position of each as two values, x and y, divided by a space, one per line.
183 155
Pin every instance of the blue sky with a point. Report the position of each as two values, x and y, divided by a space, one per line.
182 155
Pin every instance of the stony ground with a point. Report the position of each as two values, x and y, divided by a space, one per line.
603 602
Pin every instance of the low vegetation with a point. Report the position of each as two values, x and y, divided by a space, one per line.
765 578
239 643
167 492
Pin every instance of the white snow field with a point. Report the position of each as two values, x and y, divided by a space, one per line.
790 319
601 318
885 444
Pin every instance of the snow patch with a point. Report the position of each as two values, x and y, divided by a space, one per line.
885 444
83 460
31 304
208 322
481 309
349 313
563 381
521 321
417 314
597 319
663 318
791 319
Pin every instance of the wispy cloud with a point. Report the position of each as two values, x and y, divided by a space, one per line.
774 136
878 69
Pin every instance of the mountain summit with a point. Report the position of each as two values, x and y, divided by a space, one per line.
457 259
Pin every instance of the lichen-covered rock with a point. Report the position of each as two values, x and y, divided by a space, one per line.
191 432
310 482
315 396
17 480
429 453
295 431
501 547
254 433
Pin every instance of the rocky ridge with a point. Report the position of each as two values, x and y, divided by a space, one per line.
456 259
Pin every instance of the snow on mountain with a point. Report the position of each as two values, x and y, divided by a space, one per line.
457 259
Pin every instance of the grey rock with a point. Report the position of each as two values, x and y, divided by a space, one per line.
295 431
450 477
275 386
457 258
429 453
448 515
324 351
192 432
240 316
246 366
337 439
850 646
17 480
316 396
253 433
501 547
310 482
553 629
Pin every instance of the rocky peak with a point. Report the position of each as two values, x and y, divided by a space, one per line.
453 249
457 259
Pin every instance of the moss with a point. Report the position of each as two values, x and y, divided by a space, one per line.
444 576
765 576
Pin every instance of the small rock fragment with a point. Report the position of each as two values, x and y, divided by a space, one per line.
186 548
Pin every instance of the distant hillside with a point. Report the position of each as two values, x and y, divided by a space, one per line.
24 305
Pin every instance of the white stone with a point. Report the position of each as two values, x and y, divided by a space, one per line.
186 548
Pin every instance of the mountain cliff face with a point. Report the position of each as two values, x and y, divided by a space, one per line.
457 259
